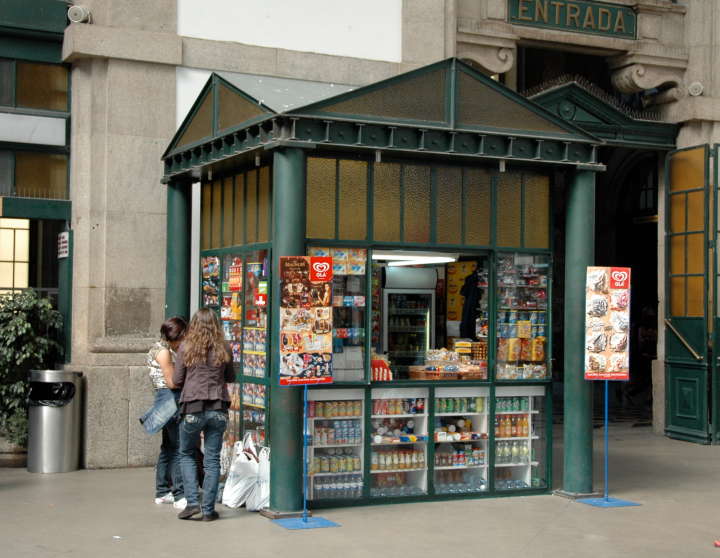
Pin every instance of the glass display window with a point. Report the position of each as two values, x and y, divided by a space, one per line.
349 304
398 446
461 440
520 438
335 428
522 317
256 289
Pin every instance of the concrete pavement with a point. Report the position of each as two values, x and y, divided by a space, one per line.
110 513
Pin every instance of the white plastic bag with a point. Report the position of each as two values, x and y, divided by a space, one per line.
242 478
259 498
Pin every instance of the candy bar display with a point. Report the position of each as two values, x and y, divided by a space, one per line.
522 310
461 439
335 435
442 364
520 438
399 442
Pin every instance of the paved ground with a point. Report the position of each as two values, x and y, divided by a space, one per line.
81 514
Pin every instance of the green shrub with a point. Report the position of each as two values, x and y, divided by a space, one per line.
29 335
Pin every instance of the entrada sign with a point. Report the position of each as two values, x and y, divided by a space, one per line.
579 16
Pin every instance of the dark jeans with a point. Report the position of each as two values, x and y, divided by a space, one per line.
168 477
212 424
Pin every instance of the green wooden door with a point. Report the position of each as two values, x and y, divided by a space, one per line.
687 366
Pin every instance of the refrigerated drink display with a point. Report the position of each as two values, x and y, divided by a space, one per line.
520 437
522 317
461 440
253 411
398 455
408 328
335 433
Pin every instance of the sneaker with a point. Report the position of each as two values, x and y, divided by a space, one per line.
189 511
212 516
167 499
180 504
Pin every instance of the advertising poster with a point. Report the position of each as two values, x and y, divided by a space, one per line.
211 280
607 323
305 320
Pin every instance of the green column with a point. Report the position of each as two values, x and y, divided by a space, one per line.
579 253
177 269
288 199
65 283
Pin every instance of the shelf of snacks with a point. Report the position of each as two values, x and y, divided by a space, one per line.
520 437
521 320
442 364
336 435
398 438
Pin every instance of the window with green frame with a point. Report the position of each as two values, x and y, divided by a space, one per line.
34 85
417 203
34 174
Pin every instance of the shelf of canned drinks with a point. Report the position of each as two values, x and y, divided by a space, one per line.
399 416
458 467
523 464
337 446
498 412
336 418
460 414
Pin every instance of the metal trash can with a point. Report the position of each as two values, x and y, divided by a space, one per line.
54 429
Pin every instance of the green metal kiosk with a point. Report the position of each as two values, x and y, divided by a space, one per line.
441 162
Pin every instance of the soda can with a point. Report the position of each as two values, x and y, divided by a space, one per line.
512 317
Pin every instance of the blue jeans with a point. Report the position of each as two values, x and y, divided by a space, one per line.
212 424
163 409
168 477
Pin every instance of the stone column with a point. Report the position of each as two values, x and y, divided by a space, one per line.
288 195
579 253
177 272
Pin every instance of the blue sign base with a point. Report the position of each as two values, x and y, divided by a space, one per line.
305 523
607 502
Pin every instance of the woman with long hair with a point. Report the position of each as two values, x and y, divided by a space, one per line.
202 368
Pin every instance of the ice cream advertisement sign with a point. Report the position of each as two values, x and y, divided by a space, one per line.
607 323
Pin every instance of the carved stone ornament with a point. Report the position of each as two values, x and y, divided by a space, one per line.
494 59
641 77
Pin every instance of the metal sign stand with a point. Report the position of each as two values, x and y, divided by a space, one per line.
606 501
305 521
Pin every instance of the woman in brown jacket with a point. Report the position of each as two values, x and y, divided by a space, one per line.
203 366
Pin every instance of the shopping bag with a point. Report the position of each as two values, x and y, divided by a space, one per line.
259 498
242 478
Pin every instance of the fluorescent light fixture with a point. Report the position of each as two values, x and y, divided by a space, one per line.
397 258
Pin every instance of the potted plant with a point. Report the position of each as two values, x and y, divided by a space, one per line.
29 339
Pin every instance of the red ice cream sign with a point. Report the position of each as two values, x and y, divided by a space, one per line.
619 278
321 269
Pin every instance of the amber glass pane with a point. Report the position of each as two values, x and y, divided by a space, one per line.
695 296
477 207
251 206
677 213
352 215
677 254
508 209
264 205
448 205
216 218
228 205
234 109
201 124
480 105
386 202
687 169
41 86
537 211
206 216
696 211
41 175
321 178
416 205
239 224
695 253
677 296
420 97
